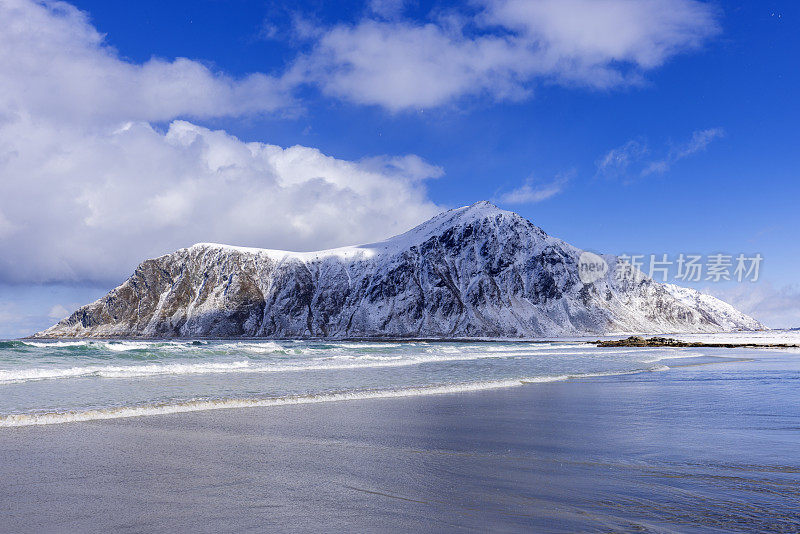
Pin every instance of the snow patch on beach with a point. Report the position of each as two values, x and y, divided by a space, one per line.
765 337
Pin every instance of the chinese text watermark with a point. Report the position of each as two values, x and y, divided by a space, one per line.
690 267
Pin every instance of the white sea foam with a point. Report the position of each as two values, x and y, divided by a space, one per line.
72 371
114 346
359 357
268 347
333 360
123 346
16 420
262 347
239 366
672 354
577 376
202 405
373 345
56 344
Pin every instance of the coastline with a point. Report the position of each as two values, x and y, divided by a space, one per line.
600 341
208 404
690 449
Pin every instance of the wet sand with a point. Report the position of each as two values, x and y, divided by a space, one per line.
693 449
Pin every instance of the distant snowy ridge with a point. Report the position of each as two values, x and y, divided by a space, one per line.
475 271
728 317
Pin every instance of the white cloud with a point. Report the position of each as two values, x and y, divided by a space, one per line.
90 206
503 50
55 64
617 161
776 307
60 66
634 158
402 65
589 34
88 188
699 141
531 191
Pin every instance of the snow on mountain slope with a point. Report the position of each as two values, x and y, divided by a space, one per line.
476 271
728 317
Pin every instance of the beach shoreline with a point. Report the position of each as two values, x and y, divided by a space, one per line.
690 449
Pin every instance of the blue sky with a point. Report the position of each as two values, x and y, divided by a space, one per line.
407 107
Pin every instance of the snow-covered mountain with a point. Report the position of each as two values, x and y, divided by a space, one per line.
476 271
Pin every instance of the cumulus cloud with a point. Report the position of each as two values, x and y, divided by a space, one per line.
532 191
63 67
90 206
635 159
501 49
54 63
89 187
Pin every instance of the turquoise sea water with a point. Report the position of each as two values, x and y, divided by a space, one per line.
58 381
696 448
656 440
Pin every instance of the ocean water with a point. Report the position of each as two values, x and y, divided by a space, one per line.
654 440
45 382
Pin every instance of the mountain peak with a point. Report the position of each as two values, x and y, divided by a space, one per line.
441 223
483 204
436 226
480 209
459 217
474 271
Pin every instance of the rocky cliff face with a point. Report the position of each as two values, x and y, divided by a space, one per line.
476 271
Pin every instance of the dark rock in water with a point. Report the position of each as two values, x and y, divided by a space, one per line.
637 341
476 271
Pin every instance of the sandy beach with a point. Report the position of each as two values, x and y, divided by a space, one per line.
696 448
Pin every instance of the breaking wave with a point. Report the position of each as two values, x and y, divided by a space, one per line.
44 382
115 346
330 363
196 405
